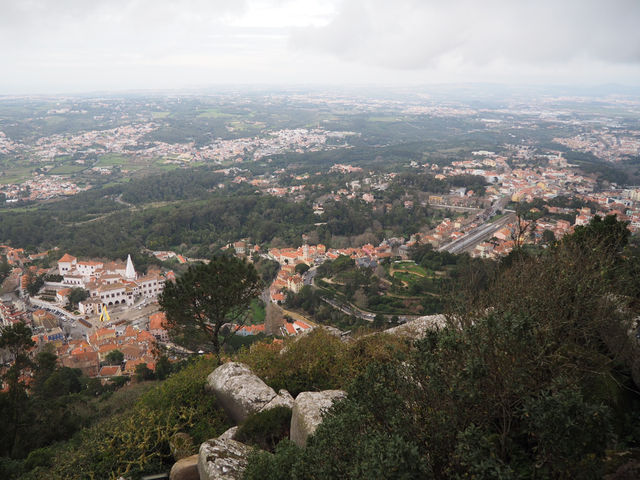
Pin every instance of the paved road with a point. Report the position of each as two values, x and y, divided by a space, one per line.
309 276
453 207
477 235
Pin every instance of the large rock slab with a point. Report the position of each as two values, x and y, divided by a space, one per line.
229 434
282 399
418 328
222 459
307 413
185 469
239 391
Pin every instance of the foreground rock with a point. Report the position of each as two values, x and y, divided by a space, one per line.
307 413
229 434
185 469
240 392
419 327
282 399
333 331
222 459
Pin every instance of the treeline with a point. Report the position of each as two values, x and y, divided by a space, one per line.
109 221
212 222
589 163
170 186
353 217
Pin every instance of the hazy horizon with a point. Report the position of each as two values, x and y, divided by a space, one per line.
73 46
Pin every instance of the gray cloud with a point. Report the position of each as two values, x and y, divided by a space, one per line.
71 45
95 26
414 34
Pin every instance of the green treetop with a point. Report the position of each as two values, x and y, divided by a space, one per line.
205 298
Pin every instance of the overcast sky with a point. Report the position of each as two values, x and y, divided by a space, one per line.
85 45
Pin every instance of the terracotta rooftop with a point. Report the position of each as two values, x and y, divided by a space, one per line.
66 258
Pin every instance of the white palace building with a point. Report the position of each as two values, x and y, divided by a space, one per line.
109 283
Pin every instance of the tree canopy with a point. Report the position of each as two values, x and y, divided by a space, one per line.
205 298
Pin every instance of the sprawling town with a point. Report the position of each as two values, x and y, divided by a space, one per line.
89 307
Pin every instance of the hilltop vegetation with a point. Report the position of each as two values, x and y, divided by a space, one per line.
532 378
187 210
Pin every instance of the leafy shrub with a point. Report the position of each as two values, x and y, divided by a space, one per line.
309 363
319 360
265 429
266 466
136 441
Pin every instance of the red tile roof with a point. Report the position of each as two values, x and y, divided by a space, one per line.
157 321
66 258
110 371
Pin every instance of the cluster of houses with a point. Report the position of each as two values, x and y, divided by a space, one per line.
41 187
89 355
503 241
10 314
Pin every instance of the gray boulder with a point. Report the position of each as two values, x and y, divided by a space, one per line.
185 469
307 413
239 391
222 459
418 328
282 399
229 434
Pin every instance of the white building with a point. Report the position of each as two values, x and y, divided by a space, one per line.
113 283
114 294
150 286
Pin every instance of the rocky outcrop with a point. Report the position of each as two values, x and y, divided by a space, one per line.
282 399
240 392
222 459
229 434
185 469
333 331
418 328
307 413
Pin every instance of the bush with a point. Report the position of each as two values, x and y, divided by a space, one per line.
136 442
309 363
279 466
265 429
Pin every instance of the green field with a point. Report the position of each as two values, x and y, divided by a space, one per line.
160 114
66 169
213 113
384 119
111 159
257 312
411 268
14 177
14 173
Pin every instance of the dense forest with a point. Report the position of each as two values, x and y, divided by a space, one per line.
187 210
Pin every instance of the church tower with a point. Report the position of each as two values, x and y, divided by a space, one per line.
130 272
